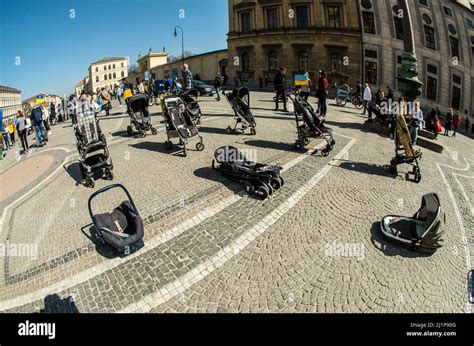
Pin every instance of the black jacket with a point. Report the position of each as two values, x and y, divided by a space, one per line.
280 81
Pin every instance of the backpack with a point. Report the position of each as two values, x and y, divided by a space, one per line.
37 115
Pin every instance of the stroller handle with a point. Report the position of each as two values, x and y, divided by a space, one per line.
106 188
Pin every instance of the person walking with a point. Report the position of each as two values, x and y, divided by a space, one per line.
456 122
72 108
367 98
280 88
306 89
105 99
449 120
11 131
266 80
416 122
45 112
52 112
260 83
6 136
322 93
187 77
217 86
119 93
22 132
37 121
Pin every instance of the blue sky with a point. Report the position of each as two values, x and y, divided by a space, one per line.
55 50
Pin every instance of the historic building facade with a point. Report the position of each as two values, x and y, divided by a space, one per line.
444 42
106 72
300 35
10 101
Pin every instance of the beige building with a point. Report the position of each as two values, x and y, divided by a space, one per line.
79 87
151 60
312 35
106 72
28 104
444 39
10 101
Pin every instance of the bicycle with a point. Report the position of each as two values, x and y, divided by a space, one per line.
344 94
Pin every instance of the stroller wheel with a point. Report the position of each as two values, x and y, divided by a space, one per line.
325 152
282 182
90 182
200 146
417 177
393 169
263 192
168 145
253 132
249 188
275 183
333 142
228 130
129 130
269 188
299 145
109 175
154 131
306 141
185 152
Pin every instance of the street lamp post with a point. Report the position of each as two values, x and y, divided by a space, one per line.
408 83
182 41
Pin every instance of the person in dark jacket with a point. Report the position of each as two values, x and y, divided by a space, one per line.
217 86
21 127
449 120
322 92
280 88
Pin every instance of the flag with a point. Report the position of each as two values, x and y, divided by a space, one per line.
301 80
40 99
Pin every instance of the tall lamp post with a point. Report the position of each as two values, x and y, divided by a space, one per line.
175 34
408 83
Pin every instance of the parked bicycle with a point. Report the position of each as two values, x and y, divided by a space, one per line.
344 94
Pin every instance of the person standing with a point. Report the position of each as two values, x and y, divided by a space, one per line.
52 112
260 83
11 131
390 96
105 99
22 132
449 120
119 93
322 92
141 87
187 77
217 86
306 89
6 136
456 122
266 81
280 88
72 108
37 121
367 98
416 122
45 112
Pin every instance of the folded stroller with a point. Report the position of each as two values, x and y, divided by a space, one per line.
422 232
91 145
404 151
139 115
179 124
257 178
122 228
239 99
189 98
312 126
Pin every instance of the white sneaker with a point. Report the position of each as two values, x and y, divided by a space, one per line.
49 132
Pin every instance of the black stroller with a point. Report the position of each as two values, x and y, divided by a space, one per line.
312 126
179 124
422 232
139 116
91 145
122 228
239 99
189 98
257 178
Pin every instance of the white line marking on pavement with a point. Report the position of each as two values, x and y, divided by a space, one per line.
456 175
459 217
150 244
195 275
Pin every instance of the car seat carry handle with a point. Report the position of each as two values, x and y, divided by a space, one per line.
106 188
118 234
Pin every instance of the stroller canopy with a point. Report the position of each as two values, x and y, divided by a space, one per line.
230 154
139 102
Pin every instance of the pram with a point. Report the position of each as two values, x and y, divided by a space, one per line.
404 152
257 178
91 140
139 116
422 232
312 126
179 124
192 106
122 228
239 99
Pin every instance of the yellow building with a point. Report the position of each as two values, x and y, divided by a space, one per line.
105 72
151 60
10 101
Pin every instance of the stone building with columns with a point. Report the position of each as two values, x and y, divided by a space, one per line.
10 101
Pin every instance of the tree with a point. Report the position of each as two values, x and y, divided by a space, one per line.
132 69
173 58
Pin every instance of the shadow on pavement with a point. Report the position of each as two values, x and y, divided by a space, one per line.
213 175
74 171
160 147
366 168
217 130
388 248
53 304
102 249
271 145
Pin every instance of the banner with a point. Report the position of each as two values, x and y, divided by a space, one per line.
301 80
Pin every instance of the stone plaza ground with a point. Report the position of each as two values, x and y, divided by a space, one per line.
209 247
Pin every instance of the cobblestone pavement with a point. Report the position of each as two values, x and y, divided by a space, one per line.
209 247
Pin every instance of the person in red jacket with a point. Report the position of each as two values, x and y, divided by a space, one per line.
456 122
437 126
322 92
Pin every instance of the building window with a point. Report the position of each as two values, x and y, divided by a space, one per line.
448 11
272 18
245 62
334 16
431 88
423 2
430 37
427 19
96 69
115 76
113 66
105 76
110 75
366 4
121 65
398 27
109 67
369 22
245 22
452 29
273 61
371 72
303 60
105 67
302 16
432 69
97 78
456 97
122 74
336 64
456 79
454 42
371 54
469 23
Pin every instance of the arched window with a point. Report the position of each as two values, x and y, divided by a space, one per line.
97 78
113 66
109 67
245 62
96 69
115 76
336 64
122 74
105 67
110 75
105 76
121 65
272 61
303 60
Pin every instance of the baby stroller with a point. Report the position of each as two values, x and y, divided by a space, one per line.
192 106
312 126
122 228
179 124
422 232
91 140
139 116
239 99
257 178
404 152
